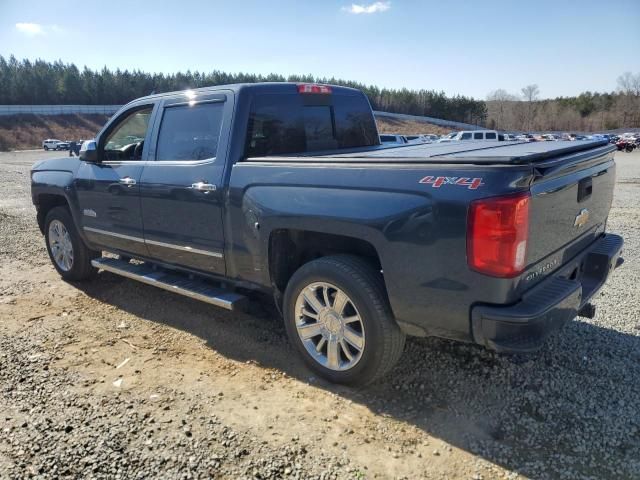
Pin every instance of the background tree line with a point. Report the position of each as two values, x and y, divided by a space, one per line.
589 111
23 82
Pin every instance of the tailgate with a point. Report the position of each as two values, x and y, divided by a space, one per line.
570 201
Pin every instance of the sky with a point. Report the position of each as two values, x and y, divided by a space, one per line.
461 47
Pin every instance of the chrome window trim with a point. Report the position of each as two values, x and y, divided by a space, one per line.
123 162
193 103
154 242
180 163
156 163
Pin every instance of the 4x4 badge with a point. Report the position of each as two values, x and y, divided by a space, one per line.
437 182
582 218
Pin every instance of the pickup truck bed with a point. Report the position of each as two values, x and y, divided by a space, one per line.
285 189
423 251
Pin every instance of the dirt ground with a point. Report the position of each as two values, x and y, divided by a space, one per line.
115 379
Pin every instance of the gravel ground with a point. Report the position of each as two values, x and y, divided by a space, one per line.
113 379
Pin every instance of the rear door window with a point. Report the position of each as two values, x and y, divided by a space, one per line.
477 136
297 123
190 132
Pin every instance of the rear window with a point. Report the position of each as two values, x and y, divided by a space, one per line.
490 136
293 123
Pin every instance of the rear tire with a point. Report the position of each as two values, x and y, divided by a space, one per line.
67 251
366 341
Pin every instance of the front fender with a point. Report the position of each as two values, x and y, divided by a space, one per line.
48 184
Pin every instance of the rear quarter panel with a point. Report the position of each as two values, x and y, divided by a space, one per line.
417 229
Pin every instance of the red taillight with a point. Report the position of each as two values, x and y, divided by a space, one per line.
497 235
313 88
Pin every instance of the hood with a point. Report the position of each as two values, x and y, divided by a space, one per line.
69 164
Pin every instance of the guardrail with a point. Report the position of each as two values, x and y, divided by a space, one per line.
58 109
111 109
434 121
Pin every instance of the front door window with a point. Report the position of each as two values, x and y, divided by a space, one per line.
126 140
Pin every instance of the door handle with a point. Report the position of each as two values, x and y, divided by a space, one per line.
127 181
203 187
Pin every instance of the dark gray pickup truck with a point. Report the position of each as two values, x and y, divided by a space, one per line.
284 188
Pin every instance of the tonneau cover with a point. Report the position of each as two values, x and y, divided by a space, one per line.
453 152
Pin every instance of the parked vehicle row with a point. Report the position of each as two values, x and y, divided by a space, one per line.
398 139
493 135
477 135
627 144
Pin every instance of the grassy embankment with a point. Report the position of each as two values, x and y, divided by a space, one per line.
23 132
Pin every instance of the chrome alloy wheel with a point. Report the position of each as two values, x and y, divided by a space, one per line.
60 245
329 326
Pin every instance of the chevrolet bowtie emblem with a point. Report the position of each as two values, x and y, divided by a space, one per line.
582 218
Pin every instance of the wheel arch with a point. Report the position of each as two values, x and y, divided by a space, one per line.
45 202
289 249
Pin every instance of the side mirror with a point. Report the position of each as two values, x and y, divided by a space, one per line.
89 151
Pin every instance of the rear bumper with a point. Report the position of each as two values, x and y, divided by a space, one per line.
524 327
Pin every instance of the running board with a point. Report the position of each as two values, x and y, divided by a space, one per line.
172 282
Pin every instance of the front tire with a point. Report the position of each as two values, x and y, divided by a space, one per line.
68 253
337 315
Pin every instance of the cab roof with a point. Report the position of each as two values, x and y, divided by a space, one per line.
264 87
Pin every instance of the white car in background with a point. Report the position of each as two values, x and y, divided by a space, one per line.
448 138
421 138
415 139
393 139
477 135
430 137
53 144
